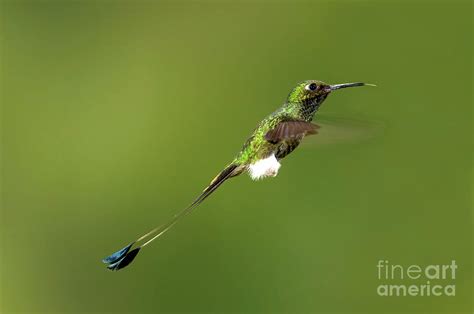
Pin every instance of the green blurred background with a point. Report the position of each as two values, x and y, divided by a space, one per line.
115 115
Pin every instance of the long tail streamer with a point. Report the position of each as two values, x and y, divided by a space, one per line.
125 256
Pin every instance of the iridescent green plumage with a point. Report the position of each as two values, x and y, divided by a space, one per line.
274 138
301 104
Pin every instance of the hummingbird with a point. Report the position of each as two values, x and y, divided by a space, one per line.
273 139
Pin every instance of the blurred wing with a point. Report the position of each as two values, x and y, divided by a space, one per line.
336 130
290 129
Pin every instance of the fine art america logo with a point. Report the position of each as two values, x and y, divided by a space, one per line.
415 280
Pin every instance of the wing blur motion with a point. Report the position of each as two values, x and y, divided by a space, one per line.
337 129
290 129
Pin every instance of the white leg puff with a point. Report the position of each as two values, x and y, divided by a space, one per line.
262 168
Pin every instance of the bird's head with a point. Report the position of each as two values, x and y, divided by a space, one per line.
313 91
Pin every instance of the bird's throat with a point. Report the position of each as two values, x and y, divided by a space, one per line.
310 106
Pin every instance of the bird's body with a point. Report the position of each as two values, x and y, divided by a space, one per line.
260 153
274 138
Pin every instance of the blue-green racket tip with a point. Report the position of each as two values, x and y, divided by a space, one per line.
121 258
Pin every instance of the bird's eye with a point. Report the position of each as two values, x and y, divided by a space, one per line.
311 86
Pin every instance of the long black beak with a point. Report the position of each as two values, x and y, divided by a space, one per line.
345 85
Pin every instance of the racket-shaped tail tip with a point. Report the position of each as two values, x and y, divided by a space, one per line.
121 258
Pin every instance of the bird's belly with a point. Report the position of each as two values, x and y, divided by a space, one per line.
286 147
